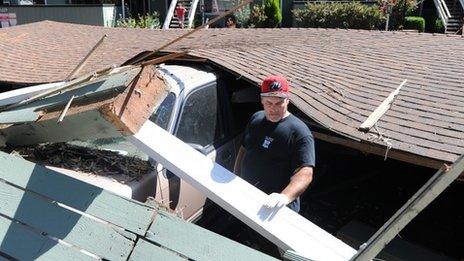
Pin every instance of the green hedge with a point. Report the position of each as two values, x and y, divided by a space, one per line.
150 21
272 11
339 15
439 27
414 22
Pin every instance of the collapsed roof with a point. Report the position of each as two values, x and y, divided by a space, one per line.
338 77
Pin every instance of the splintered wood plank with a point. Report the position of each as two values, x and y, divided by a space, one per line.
145 250
380 110
126 213
198 243
48 217
18 241
135 105
284 227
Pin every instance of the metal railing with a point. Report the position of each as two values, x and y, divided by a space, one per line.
169 14
443 11
191 16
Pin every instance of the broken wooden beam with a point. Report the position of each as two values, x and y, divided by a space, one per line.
380 110
129 111
84 60
423 197
65 110
285 228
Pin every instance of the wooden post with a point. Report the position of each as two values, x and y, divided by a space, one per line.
423 197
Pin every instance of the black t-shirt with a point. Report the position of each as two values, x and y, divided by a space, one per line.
274 151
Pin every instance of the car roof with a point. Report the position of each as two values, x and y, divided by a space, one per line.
183 78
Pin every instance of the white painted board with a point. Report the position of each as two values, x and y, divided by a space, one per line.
18 95
285 228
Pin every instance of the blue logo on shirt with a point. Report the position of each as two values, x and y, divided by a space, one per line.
267 141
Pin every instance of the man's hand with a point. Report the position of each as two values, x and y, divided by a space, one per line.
276 200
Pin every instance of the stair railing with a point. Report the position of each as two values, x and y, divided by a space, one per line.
170 14
191 16
445 7
443 11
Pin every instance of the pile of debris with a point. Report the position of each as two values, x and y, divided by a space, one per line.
84 159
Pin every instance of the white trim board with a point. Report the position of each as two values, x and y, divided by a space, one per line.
285 228
18 95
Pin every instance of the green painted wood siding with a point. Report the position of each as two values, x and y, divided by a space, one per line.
198 243
22 243
145 250
52 219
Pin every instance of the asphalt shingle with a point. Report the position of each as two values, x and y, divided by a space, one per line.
338 76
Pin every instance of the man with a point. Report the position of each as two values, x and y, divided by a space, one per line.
277 152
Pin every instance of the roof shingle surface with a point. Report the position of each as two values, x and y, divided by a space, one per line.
338 77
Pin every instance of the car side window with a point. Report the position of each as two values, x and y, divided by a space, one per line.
199 121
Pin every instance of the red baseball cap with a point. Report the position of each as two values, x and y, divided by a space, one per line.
274 86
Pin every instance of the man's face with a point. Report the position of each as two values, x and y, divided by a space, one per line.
275 108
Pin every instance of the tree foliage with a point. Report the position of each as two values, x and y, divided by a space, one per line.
339 15
143 21
398 10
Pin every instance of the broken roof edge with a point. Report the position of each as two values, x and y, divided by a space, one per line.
379 150
158 57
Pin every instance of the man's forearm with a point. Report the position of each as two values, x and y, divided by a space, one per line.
298 183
